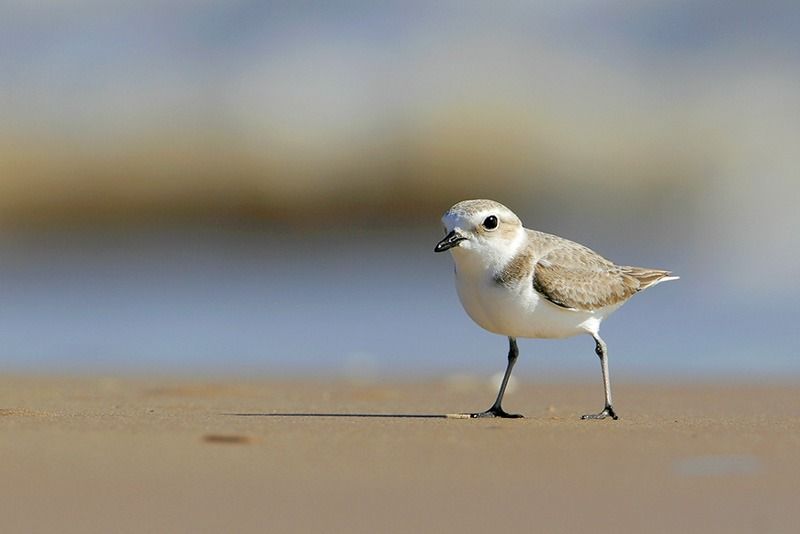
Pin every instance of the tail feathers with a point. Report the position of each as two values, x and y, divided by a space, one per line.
648 277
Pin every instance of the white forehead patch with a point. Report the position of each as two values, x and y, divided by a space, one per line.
451 220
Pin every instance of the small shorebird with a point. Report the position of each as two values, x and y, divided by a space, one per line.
522 283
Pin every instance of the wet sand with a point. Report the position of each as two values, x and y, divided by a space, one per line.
202 455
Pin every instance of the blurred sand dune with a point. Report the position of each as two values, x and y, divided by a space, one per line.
268 111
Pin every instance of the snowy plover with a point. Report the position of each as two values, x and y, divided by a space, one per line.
522 283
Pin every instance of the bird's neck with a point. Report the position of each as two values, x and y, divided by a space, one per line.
488 261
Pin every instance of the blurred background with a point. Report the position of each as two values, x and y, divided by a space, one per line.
255 187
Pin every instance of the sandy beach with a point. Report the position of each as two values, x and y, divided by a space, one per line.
203 455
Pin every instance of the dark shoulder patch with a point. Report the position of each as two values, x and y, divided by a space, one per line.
519 268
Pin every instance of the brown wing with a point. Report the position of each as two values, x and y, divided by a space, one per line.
573 276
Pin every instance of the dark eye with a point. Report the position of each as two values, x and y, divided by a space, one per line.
490 222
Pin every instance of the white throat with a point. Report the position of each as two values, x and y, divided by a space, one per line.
488 256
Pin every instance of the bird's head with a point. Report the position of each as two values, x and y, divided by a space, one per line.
482 227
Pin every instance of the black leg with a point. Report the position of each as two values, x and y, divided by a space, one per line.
602 351
496 410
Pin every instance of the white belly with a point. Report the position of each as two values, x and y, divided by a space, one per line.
521 312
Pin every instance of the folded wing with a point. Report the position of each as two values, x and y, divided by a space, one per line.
575 277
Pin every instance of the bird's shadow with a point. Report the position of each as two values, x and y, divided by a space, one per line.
346 415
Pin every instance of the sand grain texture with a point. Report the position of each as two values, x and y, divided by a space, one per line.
146 455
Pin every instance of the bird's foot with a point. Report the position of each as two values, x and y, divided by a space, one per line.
608 411
496 411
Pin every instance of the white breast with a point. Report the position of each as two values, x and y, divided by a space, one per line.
519 311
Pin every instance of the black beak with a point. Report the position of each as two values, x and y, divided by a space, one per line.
450 240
